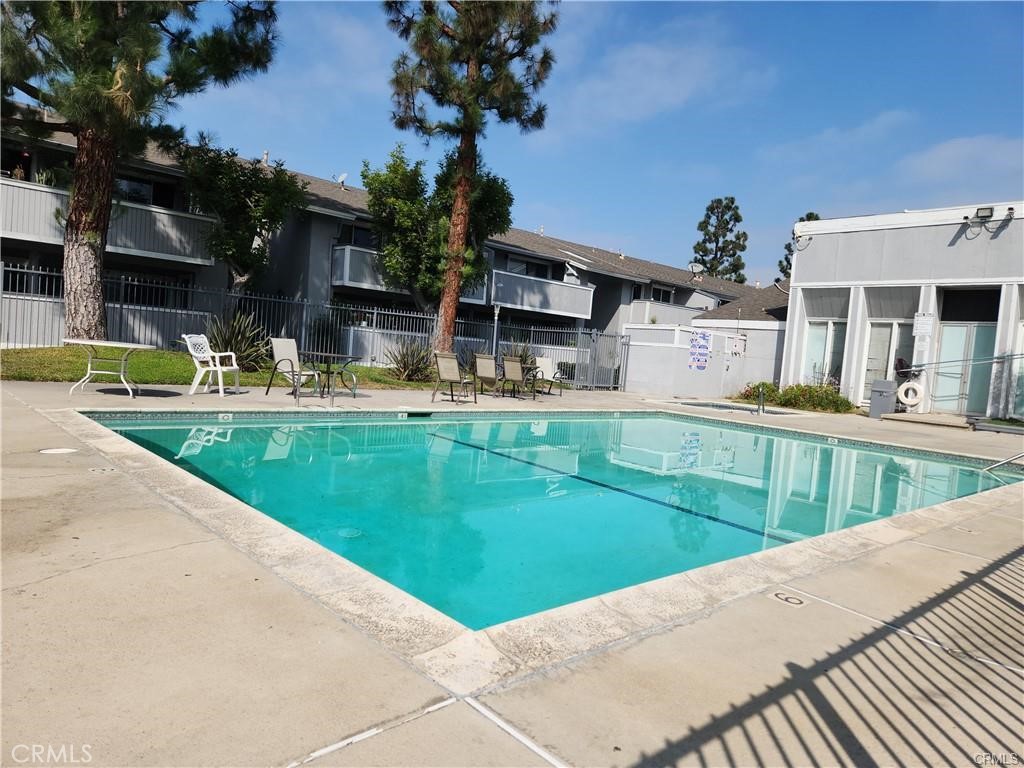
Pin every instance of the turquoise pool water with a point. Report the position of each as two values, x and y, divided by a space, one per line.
492 518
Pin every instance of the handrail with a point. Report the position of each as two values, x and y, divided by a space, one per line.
990 467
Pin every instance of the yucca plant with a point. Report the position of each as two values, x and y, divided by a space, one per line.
523 352
241 335
411 360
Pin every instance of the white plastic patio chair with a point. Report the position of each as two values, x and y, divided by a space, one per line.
289 365
208 362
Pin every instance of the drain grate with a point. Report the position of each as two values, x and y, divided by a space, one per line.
58 450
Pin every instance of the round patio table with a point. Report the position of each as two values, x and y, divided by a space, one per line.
333 367
96 351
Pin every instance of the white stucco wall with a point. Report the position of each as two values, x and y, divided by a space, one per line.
925 251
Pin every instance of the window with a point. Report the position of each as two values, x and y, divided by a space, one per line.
823 352
638 291
520 266
359 237
135 190
662 294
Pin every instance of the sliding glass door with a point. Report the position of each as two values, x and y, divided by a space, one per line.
888 342
963 377
823 352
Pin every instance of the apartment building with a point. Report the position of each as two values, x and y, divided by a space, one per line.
326 252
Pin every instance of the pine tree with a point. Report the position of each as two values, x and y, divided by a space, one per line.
720 246
786 262
471 59
111 70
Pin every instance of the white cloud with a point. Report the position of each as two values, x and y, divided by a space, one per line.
994 161
836 145
685 61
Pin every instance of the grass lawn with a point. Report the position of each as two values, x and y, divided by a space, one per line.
157 367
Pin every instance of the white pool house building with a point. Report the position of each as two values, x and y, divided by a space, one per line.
931 294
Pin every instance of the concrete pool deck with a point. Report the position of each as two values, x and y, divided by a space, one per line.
143 632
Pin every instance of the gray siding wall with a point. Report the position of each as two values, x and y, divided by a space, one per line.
955 253
300 263
611 301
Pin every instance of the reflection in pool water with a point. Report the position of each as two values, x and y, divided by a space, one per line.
490 520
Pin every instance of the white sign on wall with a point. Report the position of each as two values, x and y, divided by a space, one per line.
700 350
924 324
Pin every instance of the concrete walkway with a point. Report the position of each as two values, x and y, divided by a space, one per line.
133 630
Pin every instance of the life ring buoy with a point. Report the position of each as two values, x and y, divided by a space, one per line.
910 393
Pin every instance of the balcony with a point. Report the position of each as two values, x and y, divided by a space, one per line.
357 268
643 311
534 294
27 213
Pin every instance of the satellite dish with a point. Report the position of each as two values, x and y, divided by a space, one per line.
695 267
341 178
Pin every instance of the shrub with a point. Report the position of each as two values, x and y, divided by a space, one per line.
523 352
411 360
813 397
241 335
750 392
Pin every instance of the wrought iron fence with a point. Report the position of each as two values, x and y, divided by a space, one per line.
148 311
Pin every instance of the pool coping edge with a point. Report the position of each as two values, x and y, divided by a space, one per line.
467 661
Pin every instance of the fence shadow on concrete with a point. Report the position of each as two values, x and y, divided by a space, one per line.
889 699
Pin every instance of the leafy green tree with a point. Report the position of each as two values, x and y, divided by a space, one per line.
250 201
471 59
786 262
111 70
721 244
412 224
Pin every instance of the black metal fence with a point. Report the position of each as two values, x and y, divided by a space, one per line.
146 311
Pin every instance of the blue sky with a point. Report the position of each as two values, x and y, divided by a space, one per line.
656 108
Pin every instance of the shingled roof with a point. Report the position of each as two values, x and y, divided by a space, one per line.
769 303
352 201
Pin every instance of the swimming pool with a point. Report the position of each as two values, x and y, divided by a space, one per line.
489 518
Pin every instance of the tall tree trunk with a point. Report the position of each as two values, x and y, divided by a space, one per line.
458 232
85 236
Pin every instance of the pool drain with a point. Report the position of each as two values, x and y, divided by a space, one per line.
350 533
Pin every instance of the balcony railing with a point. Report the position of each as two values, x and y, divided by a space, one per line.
644 311
357 267
536 295
27 213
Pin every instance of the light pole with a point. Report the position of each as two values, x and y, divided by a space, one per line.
494 335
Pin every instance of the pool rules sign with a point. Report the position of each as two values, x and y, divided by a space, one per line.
700 350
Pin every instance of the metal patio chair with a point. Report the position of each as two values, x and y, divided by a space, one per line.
515 376
486 371
288 363
448 372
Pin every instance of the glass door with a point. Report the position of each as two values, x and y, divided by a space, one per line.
979 375
964 377
879 343
949 377
814 352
